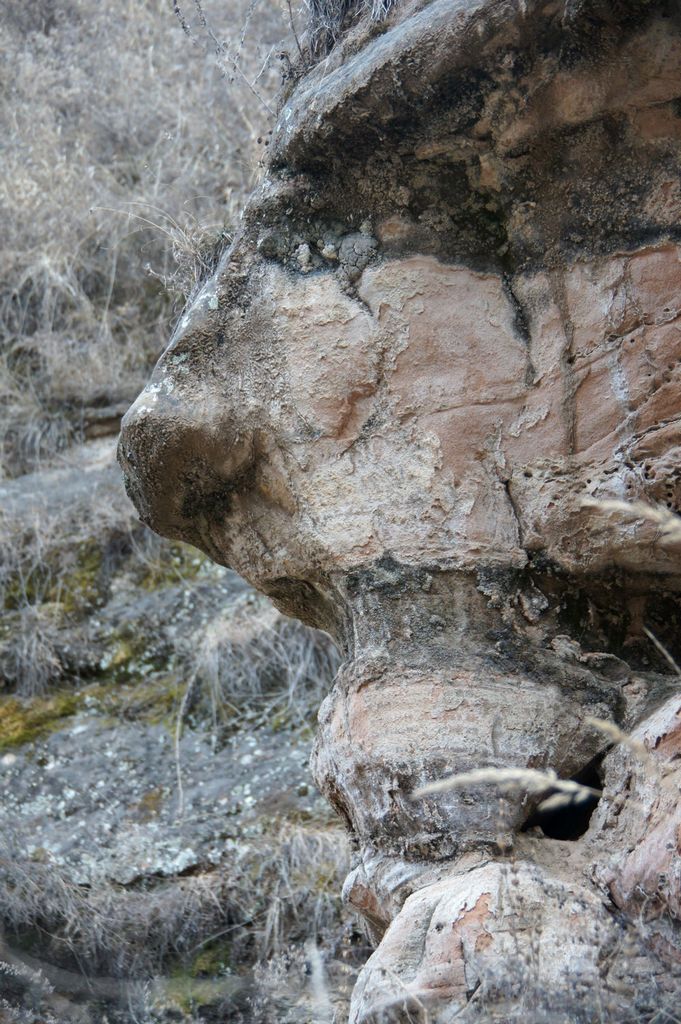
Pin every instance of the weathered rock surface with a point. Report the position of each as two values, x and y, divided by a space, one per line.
635 837
450 317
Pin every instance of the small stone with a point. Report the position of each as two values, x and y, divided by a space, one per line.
304 257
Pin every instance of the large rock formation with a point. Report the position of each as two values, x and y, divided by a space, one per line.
450 317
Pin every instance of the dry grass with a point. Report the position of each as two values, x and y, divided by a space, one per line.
56 566
314 28
649 763
251 666
327 20
31 585
528 779
253 658
264 895
126 156
667 523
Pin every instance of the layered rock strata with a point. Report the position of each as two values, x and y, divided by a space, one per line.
446 333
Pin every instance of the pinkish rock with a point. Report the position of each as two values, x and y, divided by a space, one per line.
451 316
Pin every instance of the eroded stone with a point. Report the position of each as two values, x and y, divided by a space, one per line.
450 317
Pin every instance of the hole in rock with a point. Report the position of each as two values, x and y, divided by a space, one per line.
571 819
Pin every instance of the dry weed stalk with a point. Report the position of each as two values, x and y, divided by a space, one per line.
529 779
328 19
224 58
662 650
617 735
667 523
649 763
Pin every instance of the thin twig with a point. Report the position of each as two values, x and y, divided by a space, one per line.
662 649
188 693
222 54
293 29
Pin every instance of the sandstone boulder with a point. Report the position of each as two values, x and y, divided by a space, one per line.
414 405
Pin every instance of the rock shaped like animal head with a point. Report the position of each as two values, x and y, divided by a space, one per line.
450 316
412 350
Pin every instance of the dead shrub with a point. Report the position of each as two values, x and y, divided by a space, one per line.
118 159
254 660
264 895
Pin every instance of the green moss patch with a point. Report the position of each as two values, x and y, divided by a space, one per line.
83 584
177 563
27 721
74 581
214 958
188 994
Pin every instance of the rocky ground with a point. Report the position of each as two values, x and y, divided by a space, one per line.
163 852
